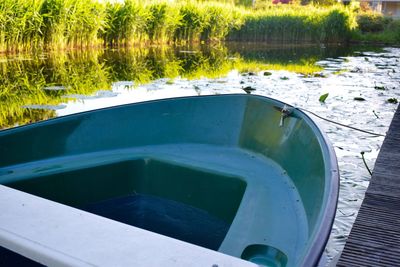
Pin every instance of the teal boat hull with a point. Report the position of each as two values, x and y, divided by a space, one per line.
232 173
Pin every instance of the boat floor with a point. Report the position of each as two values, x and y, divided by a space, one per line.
271 212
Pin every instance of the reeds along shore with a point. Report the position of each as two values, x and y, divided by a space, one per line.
60 24
300 24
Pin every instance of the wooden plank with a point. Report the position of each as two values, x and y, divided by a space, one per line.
375 237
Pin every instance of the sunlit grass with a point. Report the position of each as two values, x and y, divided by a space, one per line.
62 24
295 23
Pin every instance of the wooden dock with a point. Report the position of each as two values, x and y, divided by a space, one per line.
375 237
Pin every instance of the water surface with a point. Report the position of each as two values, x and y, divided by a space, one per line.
360 81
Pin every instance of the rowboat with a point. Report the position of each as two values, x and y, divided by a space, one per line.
223 180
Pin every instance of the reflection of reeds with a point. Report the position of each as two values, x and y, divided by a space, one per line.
26 82
23 82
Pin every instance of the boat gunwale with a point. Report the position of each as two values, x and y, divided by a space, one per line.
329 213
322 233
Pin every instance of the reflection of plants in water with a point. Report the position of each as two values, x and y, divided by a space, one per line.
19 86
303 67
141 65
207 62
79 72
163 63
27 84
31 90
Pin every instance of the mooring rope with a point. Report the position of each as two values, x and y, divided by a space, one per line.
340 124
286 111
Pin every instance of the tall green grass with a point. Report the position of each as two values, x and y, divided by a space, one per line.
71 23
162 22
20 24
296 24
35 24
125 23
61 24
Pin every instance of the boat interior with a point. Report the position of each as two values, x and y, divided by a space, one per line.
230 173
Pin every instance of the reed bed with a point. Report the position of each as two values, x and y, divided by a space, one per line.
296 24
61 24
38 24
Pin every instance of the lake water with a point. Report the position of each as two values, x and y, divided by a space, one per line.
359 81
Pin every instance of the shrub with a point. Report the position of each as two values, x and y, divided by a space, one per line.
372 22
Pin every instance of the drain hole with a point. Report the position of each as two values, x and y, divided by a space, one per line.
264 255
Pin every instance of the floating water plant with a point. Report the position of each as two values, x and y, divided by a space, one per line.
377 87
323 97
249 89
357 98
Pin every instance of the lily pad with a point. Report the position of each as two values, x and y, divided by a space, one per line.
380 87
55 88
249 89
267 73
358 98
319 75
323 97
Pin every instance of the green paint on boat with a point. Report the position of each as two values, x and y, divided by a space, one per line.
234 159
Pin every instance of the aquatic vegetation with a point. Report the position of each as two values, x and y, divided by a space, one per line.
20 23
323 97
358 98
162 22
61 24
35 24
124 23
296 24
